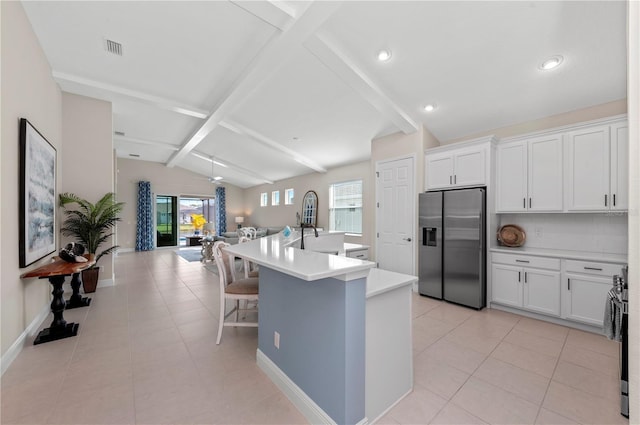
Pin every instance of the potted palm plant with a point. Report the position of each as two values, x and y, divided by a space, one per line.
91 225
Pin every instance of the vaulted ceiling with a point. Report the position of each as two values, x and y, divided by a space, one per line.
276 89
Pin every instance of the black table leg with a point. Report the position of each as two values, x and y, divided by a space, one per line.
76 300
59 328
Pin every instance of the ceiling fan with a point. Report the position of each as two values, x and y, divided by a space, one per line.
213 179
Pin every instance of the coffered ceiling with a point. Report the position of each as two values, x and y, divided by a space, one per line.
275 89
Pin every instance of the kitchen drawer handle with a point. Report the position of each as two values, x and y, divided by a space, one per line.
593 268
522 261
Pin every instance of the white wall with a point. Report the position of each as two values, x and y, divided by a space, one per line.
633 48
601 233
609 109
174 181
87 158
28 91
283 215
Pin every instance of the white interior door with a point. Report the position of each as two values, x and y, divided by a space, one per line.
396 215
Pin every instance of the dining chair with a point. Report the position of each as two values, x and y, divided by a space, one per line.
250 269
234 290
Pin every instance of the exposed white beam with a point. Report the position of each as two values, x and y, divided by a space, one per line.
330 54
245 131
227 164
275 13
268 61
159 145
156 101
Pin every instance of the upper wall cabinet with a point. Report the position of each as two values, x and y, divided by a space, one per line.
597 168
457 167
529 175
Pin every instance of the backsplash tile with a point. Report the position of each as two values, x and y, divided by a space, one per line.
606 232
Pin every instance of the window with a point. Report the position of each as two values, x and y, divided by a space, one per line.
275 197
264 199
288 196
345 206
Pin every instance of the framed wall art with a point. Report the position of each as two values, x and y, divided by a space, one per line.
37 195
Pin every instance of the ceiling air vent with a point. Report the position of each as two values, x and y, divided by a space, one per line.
135 155
119 133
113 47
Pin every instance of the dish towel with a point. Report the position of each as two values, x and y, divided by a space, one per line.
613 316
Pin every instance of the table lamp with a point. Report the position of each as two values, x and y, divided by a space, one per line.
239 221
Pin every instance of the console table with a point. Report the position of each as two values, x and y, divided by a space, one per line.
56 272
193 240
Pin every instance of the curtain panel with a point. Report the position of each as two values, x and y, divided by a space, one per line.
144 227
221 211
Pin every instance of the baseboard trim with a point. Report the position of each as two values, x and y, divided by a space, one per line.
299 398
103 283
554 320
18 344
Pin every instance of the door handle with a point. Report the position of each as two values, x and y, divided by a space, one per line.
450 179
605 200
525 277
568 284
406 239
614 199
529 202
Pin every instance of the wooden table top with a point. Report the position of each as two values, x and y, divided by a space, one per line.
60 268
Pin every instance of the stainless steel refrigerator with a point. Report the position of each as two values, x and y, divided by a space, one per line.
452 260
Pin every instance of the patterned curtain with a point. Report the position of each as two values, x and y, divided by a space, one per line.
144 228
221 211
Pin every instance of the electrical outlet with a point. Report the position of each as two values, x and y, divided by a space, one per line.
538 232
276 340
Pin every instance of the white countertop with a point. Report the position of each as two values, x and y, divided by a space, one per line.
560 253
380 281
271 252
350 247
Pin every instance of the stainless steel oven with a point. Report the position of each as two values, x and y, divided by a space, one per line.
620 284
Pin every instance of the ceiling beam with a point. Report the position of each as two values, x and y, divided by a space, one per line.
156 101
274 13
329 53
264 140
159 145
226 164
268 61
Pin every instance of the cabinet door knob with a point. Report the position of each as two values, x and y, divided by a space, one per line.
406 239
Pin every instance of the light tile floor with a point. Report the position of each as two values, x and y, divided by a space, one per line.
146 354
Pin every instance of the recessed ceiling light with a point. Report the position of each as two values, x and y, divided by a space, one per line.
430 107
384 55
552 62
217 178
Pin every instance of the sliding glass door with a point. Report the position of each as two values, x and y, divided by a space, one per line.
166 220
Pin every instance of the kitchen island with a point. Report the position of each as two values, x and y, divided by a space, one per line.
323 324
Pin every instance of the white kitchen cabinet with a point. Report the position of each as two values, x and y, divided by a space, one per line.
526 282
597 169
360 253
529 175
456 168
541 291
586 285
619 172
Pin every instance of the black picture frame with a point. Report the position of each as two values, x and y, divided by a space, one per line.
38 171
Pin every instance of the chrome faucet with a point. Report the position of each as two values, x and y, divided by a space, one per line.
302 227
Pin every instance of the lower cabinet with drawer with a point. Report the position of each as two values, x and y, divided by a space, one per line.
360 254
585 290
531 283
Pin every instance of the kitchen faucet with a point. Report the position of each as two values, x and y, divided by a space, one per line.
302 227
